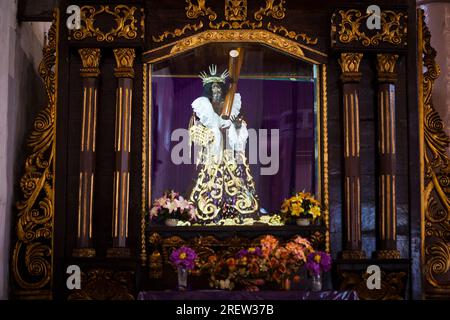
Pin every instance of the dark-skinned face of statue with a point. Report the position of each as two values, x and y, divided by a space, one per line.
216 92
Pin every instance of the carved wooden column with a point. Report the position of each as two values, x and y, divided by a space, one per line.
387 213
125 74
352 204
89 72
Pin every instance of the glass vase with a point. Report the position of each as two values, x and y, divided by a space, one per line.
286 284
316 282
182 278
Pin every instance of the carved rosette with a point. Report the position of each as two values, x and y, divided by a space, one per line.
31 265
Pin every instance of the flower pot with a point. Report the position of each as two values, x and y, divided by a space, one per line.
303 222
171 222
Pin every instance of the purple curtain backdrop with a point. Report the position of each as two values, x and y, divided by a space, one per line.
266 104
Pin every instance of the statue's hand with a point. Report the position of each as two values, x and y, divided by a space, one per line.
237 120
225 124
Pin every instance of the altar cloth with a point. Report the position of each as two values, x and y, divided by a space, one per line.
247 295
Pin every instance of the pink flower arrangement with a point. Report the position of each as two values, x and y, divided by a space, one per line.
172 206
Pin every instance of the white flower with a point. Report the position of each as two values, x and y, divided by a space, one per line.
154 211
172 206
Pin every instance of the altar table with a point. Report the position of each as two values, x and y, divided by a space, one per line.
247 295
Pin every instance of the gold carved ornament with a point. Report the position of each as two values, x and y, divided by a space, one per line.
291 34
235 10
386 67
124 62
33 250
264 36
349 63
125 23
235 19
178 32
272 9
392 285
436 193
104 284
155 262
235 25
393 24
90 59
326 195
143 254
193 11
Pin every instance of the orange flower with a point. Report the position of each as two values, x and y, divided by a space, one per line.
231 262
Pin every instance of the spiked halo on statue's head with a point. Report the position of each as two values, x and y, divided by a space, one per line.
212 77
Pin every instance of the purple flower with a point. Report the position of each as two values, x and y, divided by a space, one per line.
183 257
255 251
318 262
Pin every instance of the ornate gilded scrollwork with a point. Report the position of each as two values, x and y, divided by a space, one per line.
102 284
236 18
392 285
264 36
193 11
178 32
123 15
32 268
436 191
272 9
235 10
393 24
291 34
235 25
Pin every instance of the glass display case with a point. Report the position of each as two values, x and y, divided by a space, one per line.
236 169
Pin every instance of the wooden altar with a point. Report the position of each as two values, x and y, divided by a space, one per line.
89 178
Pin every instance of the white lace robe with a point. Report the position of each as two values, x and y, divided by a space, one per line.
236 137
